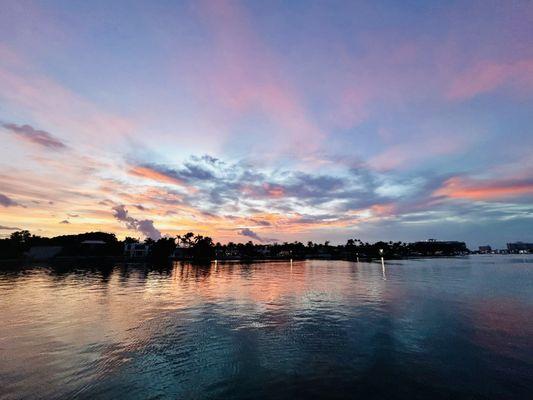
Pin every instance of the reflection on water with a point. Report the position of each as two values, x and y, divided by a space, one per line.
438 328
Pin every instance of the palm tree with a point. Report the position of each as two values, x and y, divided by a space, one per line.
189 239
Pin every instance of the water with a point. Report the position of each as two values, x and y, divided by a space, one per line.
434 328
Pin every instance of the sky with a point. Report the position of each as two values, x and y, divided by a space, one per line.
268 120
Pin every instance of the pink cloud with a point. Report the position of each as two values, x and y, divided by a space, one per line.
53 105
459 188
153 174
410 153
245 78
484 77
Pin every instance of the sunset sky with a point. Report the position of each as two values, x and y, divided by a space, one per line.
268 120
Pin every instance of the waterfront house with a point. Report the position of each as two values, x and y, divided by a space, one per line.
520 247
136 250
485 249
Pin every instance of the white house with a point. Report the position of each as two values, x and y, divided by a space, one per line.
136 250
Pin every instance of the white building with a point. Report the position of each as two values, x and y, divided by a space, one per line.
136 250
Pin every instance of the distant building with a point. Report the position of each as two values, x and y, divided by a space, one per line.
485 249
136 250
437 247
520 247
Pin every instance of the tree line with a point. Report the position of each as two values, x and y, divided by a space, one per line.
195 246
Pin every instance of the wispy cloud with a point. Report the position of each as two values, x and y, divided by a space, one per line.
35 136
244 76
9 228
487 76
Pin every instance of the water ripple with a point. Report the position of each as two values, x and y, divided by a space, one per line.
435 328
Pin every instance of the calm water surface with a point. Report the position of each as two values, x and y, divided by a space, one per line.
428 329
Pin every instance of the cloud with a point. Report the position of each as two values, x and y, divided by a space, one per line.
156 173
64 222
487 76
35 136
121 213
460 188
195 170
260 222
219 188
251 234
9 228
7 202
144 226
244 76
54 104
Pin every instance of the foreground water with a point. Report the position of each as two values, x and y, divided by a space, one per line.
434 328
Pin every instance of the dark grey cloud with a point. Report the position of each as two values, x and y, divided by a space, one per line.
36 136
120 213
195 172
253 235
64 222
9 228
309 186
7 202
144 226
